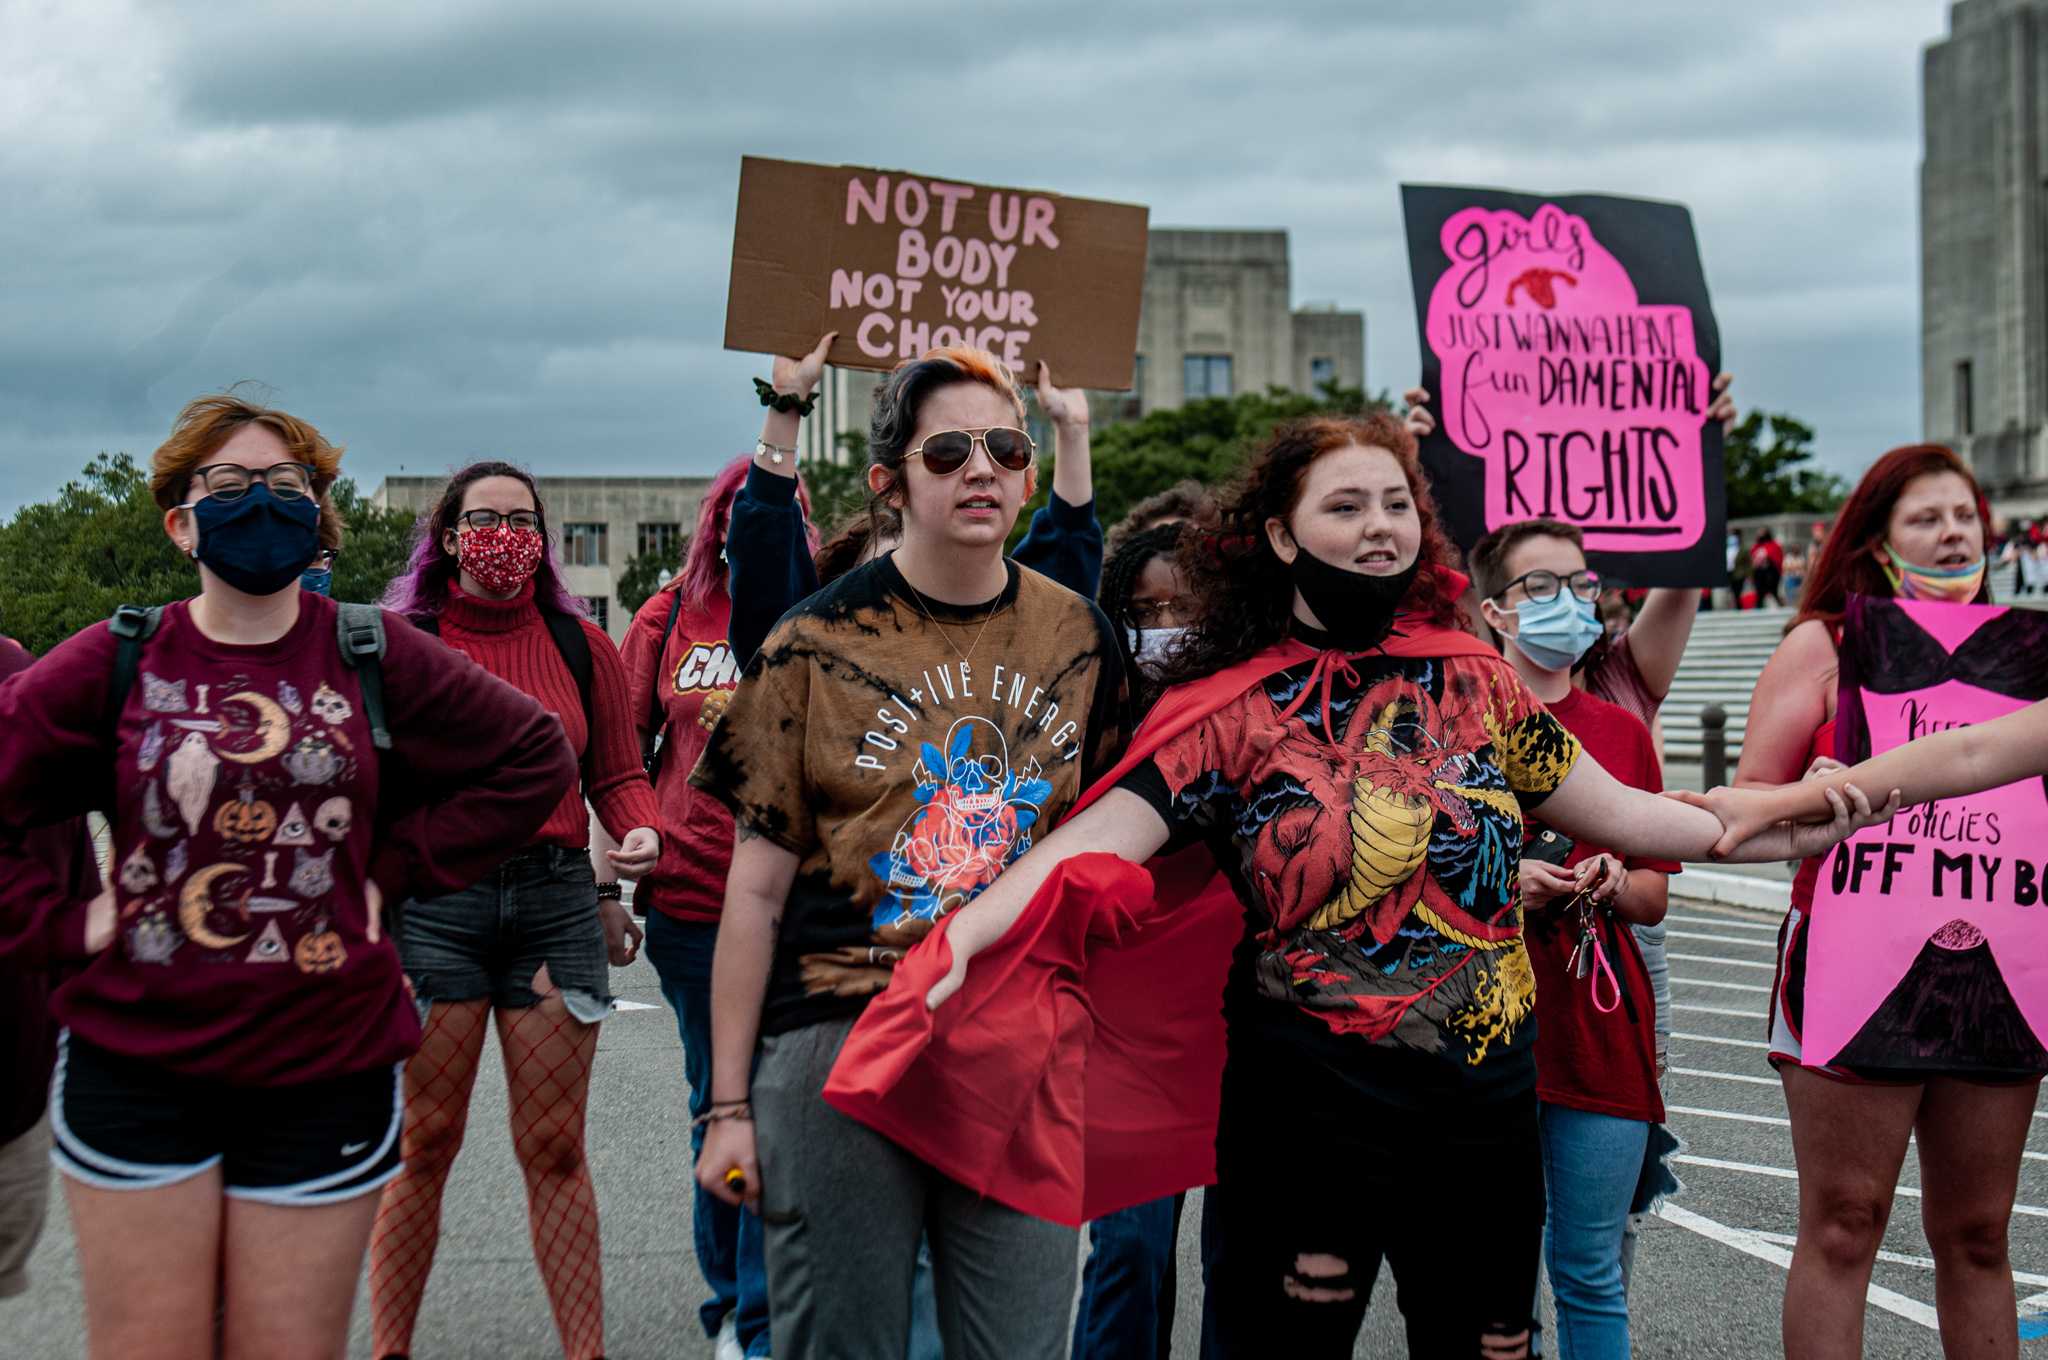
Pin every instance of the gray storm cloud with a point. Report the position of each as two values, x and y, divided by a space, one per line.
443 230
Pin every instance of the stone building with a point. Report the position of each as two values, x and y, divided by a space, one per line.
1983 273
598 523
1218 319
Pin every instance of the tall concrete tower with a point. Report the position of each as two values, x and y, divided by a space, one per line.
1983 278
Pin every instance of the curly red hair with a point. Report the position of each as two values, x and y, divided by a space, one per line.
1246 592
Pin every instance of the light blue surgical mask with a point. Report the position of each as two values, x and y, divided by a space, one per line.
1556 632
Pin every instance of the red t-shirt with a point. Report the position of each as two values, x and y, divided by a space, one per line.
1604 1063
693 680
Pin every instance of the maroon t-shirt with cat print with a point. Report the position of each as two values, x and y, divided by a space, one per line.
248 810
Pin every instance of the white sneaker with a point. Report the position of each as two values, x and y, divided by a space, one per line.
728 1343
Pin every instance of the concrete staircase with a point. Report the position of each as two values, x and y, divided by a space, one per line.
1722 660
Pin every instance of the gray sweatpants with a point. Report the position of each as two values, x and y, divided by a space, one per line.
843 1208
24 1194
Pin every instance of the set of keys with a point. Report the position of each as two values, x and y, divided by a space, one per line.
1588 958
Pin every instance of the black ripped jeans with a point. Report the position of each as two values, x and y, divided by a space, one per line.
1311 1199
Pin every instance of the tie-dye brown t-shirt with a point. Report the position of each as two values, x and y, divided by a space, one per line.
906 751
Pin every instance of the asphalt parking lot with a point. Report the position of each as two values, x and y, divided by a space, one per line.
1710 1272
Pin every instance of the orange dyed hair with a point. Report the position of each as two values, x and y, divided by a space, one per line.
209 422
901 394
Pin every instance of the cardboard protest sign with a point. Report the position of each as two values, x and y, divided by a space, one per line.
1929 938
1570 350
900 263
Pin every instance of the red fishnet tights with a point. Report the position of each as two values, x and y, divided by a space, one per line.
547 1071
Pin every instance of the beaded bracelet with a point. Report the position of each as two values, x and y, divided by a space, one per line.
784 401
611 889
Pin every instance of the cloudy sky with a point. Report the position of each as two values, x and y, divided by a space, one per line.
450 228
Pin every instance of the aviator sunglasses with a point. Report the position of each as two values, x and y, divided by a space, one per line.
946 452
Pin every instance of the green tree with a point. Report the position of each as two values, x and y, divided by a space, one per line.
374 546
1208 440
1764 458
99 543
645 573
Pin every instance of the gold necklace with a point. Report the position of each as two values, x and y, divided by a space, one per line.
918 599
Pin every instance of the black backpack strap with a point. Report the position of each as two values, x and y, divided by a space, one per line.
650 745
574 645
132 625
359 628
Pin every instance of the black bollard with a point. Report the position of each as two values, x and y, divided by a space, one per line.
1713 746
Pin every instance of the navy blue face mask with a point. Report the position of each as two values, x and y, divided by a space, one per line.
319 580
257 543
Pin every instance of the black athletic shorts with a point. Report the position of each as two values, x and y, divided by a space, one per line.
123 1124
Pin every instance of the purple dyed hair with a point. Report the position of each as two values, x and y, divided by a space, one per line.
422 588
702 579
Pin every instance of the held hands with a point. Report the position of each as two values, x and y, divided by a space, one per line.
1754 825
729 1146
799 377
637 854
622 934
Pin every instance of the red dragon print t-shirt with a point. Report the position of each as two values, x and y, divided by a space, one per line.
1369 816
906 751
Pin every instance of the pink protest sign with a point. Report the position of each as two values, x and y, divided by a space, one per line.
1928 944
1570 348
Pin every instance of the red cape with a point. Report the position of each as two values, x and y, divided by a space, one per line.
1079 1068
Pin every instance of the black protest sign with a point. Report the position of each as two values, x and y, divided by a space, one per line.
1570 348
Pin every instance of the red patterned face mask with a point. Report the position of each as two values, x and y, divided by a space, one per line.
502 559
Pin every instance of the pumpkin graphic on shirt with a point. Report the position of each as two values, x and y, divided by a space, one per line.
975 816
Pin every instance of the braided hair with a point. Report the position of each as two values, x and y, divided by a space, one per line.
1120 583
1121 572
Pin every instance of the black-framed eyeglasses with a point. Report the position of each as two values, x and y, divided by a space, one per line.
946 452
1542 586
231 481
491 519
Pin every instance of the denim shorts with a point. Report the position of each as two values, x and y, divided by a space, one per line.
487 941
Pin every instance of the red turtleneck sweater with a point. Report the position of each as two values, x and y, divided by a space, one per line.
509 639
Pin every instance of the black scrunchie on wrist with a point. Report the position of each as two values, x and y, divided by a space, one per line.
784 401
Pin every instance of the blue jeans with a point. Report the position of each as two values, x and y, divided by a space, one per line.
1127 1287
728 1239
1591 1163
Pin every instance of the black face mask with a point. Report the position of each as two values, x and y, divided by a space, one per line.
258 543
1356 610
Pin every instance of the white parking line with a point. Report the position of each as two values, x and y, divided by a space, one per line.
1900 1258
1720 939
1786 1174
1725 986
1739 1015
1725 1076
1728 1114
635 1006
1754 1244
1719 922
1717 1039
1768 1119
1725 963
